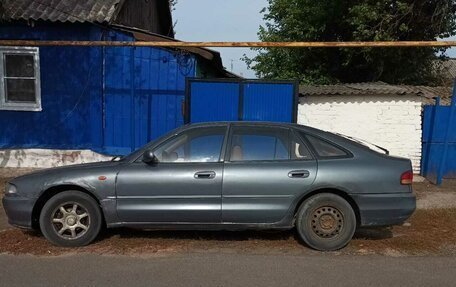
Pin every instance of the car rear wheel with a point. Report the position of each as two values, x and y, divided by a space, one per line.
326 222
71 219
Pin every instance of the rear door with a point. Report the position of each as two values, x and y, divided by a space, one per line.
266 168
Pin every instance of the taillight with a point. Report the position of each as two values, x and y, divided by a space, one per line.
407 178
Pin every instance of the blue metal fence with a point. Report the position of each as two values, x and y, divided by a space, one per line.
439 141
243 100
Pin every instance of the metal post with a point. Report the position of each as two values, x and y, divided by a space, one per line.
447 136
437 101
428 139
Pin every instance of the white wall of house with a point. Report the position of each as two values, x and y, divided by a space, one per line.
45 158
393 122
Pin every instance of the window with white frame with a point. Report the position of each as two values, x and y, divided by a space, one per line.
20 79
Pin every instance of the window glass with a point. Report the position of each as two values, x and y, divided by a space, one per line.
197 145
325 149
256 144
299 150
19 78
19 66
20 90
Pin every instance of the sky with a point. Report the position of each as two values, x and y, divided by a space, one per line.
451 52
226 20
221 20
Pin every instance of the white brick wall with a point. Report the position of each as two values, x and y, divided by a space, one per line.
393 122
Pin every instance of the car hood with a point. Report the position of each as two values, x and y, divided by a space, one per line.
64 169
84 175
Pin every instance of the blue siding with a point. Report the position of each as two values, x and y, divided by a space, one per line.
268 102
214 101
435 123
110 100
145 90
70 92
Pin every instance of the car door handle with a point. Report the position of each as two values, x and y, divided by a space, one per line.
299 174
205 175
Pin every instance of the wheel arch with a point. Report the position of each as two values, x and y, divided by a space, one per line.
53 191
334 191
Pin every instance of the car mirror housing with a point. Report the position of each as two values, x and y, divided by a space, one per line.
149 157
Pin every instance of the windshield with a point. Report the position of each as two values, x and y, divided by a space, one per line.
365 143
138 152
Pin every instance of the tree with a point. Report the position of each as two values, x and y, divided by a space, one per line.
172 4
353 20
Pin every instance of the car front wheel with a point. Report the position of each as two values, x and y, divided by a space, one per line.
71 219
326 222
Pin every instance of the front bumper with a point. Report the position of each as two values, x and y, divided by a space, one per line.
19 210
384 209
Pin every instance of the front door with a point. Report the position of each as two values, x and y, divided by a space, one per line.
184 186
268 168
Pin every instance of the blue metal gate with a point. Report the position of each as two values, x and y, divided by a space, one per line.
439 141
241 100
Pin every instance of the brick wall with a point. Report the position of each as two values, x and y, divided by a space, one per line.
393 122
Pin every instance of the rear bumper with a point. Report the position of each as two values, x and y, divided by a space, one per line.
385 209
19 211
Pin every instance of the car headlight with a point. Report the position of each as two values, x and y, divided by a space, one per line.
10 189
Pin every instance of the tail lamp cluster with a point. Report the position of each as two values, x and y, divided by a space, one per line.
407 178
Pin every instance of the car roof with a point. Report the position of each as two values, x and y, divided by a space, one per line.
247 123
259 124
335 138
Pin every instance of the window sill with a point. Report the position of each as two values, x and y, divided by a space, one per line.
21 108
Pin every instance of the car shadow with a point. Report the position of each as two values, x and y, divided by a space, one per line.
235 236
271 235
127 233
377 233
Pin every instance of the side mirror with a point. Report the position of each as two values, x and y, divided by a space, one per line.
149 157
117 158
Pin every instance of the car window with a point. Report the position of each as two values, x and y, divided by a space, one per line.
259 144
196 145
324 148
299 150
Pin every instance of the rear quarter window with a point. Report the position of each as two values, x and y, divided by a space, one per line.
325 149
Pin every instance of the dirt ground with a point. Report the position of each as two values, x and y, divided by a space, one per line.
430 231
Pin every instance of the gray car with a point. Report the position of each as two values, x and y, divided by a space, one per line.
222 176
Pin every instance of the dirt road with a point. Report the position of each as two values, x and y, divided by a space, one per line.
3 220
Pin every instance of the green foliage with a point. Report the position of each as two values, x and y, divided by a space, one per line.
353 20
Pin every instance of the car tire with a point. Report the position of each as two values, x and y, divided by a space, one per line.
71 219
326 222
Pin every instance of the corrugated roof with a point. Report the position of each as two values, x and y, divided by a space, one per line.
93 11
378 88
